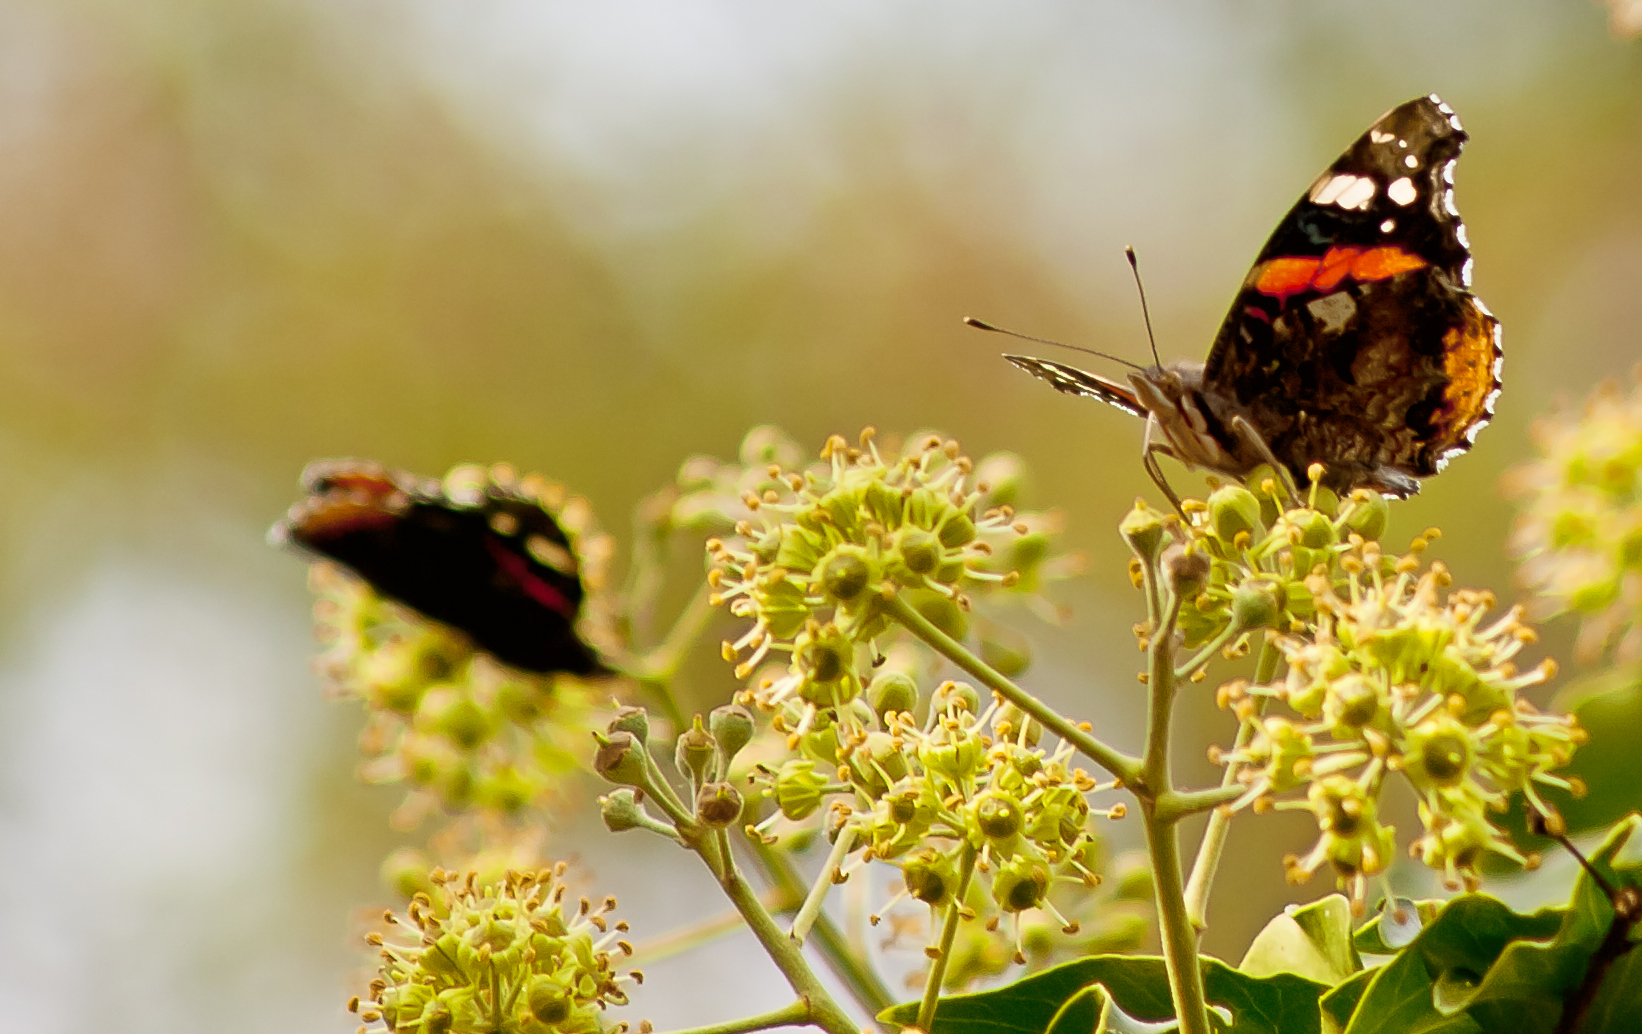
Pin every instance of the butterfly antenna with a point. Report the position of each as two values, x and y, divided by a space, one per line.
1134 266
980 325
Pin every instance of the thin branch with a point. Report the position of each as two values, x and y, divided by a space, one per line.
795 1015
1123 766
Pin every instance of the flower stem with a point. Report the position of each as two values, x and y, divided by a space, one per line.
820 1009
949 933
811 908
1163 834
794 1015
1213 844
1123 766
848 965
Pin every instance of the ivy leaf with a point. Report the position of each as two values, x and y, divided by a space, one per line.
1312 941
1138 985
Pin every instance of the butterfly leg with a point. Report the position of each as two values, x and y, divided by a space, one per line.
1149 451
1253 440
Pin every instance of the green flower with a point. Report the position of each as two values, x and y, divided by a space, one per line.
504 957
1580 530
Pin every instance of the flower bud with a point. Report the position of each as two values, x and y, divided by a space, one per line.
919 551
957 530
632 720
1009 720
997 815
1257 603
618 759
1185 571
892 691
621 810
1143 530
1234 509
1368 514
732 727
718 805
1315 530
846 573
548 1001
1020 884
798 789
877 764
695 751
951 694
930 877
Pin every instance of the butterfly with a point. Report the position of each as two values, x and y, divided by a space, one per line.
479 551
1354 342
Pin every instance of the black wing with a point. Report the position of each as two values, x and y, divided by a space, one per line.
1355 340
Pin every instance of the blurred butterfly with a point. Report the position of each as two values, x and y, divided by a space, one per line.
479 551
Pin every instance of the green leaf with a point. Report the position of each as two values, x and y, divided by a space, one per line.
1429 984
1313 941
1341 1001
1138 985
1087 1012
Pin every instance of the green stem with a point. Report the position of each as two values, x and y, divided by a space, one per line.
1163 835
1160 702
821 1010
1126 768
811 908
1174 928
949 933
1213 844
795 1015
848 965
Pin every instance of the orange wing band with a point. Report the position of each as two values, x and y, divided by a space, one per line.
1281 277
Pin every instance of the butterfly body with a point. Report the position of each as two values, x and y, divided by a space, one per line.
1354 341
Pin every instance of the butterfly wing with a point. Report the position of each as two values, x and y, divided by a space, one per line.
494 564
1073 381
1355 340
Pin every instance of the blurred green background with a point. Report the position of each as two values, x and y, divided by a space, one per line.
592 239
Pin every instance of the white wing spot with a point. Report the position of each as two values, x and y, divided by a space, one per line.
1448 172
1403 191
1358 195
1402 143
1465 273
1375 136
1411 161
1461 236
1448 203
1388 226
1325 191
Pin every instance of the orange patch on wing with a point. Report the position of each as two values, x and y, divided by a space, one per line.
1384 263
1281 277
1469 352
1336 264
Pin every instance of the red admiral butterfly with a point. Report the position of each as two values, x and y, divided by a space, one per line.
1354 341
480 551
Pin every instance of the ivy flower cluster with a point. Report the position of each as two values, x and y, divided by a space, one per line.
514 957
466 734
1386 675
1580 531
821 549
965 802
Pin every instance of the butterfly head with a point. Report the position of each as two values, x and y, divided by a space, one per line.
1172 396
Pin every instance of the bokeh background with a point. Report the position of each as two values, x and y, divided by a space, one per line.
592 239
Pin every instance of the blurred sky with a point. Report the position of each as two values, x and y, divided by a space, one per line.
592 239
